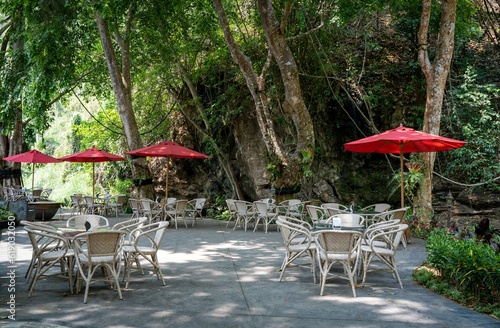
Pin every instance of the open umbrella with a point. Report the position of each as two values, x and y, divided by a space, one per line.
168 149
92 155
402 140
34 157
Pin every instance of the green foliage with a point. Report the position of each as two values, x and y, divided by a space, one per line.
5 214
412 178
475 116
469 265
305 163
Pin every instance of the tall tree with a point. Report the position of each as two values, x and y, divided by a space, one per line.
121 81
289 168
436 72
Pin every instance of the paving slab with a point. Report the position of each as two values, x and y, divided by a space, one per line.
217 277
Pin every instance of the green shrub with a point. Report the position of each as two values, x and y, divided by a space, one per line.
468 264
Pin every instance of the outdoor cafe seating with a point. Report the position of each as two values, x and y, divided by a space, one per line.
300 246
143 243
266 213
178 212
151 209
50 249
383 245
94 250
338 246
92 220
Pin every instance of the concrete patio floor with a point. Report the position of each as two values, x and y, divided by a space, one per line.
217 277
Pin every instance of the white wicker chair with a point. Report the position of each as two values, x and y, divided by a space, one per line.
95 221
338 246
299 244
178 212
144 243
98 249
383 244
265 212
49 249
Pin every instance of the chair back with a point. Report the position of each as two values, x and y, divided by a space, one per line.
262 208
46 193
104 243
243 207
231 206
75 200
297 237
350 219
153 232
129 225
89 200
95 221
316 213
180 205
343 244
200 203
146 205
335 206
399 214
136 207
36 193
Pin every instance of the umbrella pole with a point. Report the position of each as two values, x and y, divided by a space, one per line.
166 180
93 186
32 176
401 158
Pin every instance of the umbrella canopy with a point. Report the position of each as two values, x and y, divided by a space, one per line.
34 157
92 155
403 140
168 149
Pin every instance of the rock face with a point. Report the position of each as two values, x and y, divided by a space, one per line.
338 176
469 208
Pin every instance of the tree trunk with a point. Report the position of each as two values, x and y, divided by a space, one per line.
221 155
294 104
122 87
290 170
436 74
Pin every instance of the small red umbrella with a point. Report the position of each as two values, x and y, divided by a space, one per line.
92 155
34 157
402 140
168 149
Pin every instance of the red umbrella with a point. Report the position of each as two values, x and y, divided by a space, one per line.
32 156
168 149
92 155
402 140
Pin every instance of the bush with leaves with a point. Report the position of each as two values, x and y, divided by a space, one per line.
468 264
475 117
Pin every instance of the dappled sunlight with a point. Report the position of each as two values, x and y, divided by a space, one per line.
213 276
